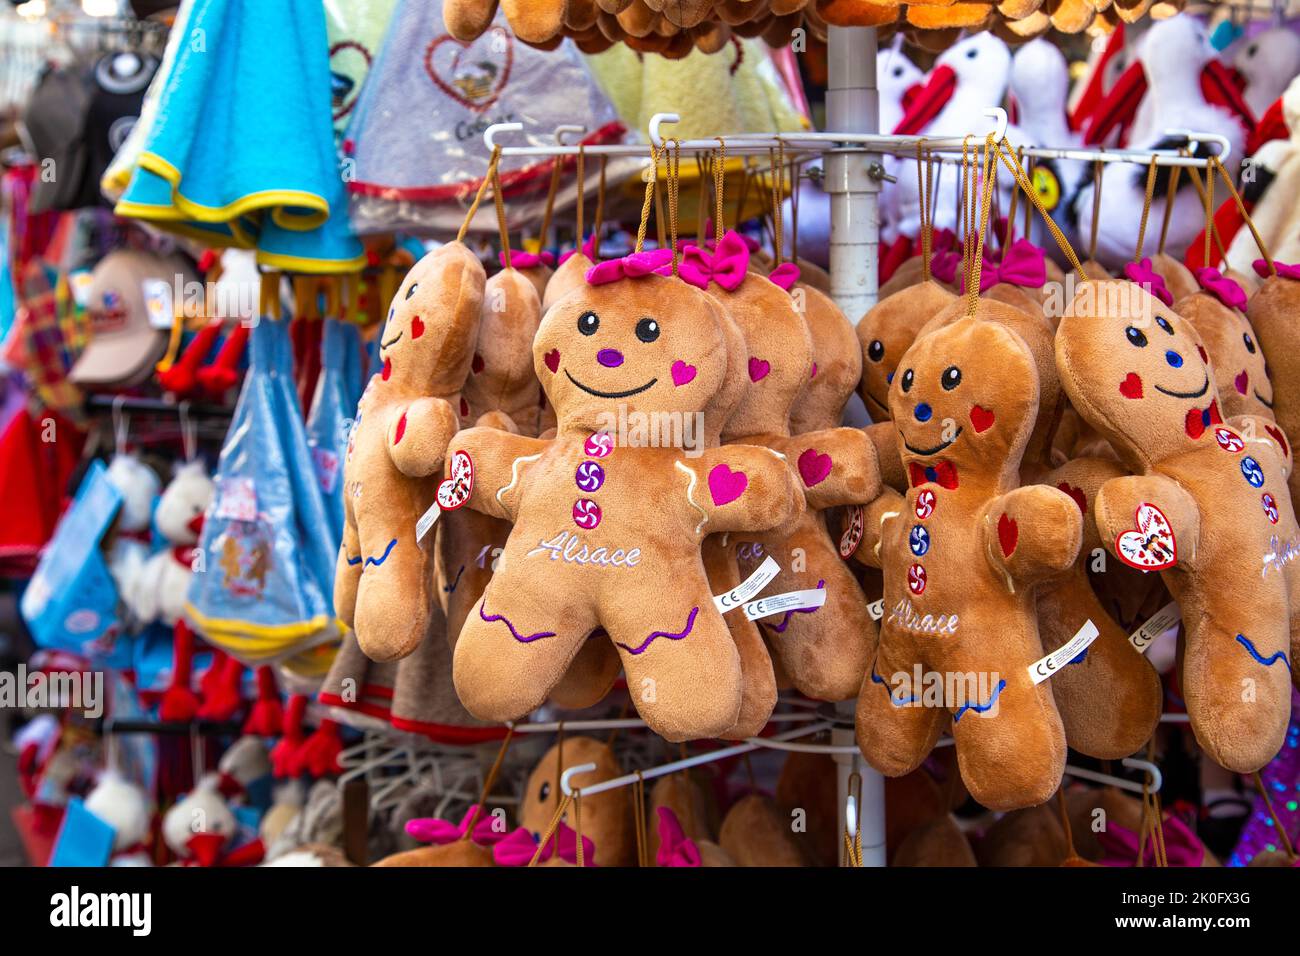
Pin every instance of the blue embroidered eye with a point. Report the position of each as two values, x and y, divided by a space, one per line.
1164 324
588 323
1250 343
1174 359
907 380
951 378
1136 337
876 350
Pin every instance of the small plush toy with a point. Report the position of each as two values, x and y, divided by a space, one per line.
158 591
1207 506
199 829
384 578
607 526
836 366
961 554
1272 310
129 550
1241 376
756 833
124 806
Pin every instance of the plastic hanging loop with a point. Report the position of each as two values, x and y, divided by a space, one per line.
121 425
189 432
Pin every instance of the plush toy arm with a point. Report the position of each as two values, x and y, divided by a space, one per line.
1032 533
499 459
418 436
1260 431
889 505
885 437
740 488
499 420
1119 500
837 466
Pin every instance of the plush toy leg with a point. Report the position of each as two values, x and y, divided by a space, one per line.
469 543
590 676
758 680
895 737
1109 701
683 671
391 611
1012 754
516 645
347 575
825 651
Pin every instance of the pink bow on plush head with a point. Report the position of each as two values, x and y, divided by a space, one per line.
519 847
1283 269
727 265
1149 279
588 249
633 266
527 260
442 832
1182 846
1023 264
785 275
674 847
944 265
941 240
1221 287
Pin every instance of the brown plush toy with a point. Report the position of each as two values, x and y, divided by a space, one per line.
961 555
756 833
607 818
606 529
384 578
824 650
1272 311
836 366
1207 506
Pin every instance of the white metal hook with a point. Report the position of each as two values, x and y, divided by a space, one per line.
121 424
564 129
656 122
851 815
1156 779
999 116
490 134
568 775
1225 146
189 432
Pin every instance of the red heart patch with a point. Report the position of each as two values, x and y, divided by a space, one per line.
400 430
1008 534
475 81
1277 436
552 360
417 326
814 467
464 408
388 369
477 365
1241 382
1077 494
1131 387
981 419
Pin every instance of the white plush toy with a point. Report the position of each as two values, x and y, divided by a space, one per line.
200 826
158 591
139 487
125 807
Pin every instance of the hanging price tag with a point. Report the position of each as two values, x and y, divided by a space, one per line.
747 588
1165 618
1045 667
790 601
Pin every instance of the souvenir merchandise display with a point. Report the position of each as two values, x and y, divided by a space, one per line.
628 433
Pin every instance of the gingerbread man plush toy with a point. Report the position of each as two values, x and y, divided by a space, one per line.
384 579
1207 506
607 523
961 554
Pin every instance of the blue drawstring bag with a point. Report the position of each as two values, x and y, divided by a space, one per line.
70 604
332 409
260 596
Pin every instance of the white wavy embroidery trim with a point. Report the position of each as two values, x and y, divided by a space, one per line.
514 475
690 495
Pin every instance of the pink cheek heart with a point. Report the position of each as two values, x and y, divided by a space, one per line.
683 374
725 485
417 327
552 360
1242 382
758 369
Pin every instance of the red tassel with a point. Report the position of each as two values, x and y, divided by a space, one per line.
319 754
222 374
212 676
266 719
181 379
224 701
284 755
179 702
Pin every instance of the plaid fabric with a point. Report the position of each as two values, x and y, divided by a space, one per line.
30 236
47 340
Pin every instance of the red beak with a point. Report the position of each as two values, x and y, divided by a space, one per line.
1272 125
911 93
1221 86
929 102
1119 107
1094 92
206 847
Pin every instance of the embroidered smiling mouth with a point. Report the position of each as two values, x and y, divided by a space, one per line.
392 341
1196 394
926 452
1263 400
599 394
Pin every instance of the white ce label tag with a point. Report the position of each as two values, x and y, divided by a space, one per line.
1045 667
876 609
426 521
1159 622
790 601
747 588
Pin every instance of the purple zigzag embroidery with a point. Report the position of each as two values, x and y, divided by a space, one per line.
785 621
491 618
690 623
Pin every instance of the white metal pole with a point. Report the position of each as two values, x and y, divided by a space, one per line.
853 105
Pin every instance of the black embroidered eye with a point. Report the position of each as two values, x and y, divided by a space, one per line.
1164 324
588 323
647 330
876 350
971 54
1136 337
907 380
545 791
951 378
1250 343
411 291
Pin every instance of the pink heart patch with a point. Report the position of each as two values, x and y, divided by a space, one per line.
814 467
1242 381
683 374
726 485
758 369
552 360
